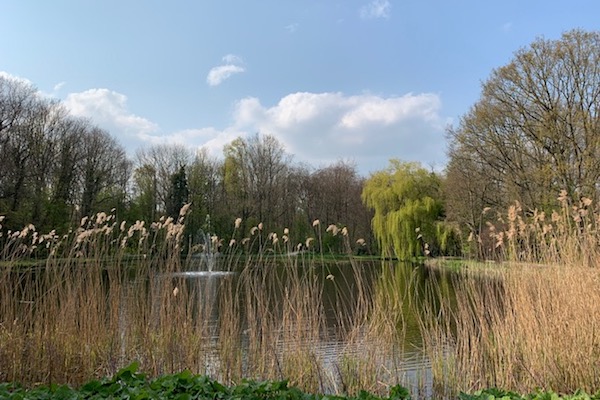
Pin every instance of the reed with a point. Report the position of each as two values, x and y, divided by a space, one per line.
85 304
531 320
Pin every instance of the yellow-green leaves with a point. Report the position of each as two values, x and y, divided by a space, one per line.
406 200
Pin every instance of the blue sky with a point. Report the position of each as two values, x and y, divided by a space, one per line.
358 80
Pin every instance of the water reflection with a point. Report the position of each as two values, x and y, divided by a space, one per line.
248 321
400 290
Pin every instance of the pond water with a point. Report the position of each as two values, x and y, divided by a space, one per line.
214 319
340 288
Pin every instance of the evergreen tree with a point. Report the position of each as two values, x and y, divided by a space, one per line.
178 193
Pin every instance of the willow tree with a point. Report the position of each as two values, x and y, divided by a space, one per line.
406 200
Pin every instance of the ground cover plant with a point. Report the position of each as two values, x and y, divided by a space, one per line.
128 383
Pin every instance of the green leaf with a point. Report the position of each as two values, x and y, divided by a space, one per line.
399 392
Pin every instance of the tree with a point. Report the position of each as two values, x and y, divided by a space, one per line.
332 194
534 131
255 175
160 163
51 162
104 172
206 195
33 132
145 200
20 108
67 156
178 193
406 200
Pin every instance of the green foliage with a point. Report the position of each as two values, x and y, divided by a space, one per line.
128 383
532 133
144 204
178 192
498 394
407 203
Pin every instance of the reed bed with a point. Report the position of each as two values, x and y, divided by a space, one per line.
530 321
87 303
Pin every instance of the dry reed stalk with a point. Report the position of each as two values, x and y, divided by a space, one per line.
532 324
532 327
106 297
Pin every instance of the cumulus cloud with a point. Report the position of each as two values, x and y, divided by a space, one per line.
376 9
317 128
320 128
210 138
232 64
108 109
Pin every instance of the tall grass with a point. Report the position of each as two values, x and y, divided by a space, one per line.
531 321
87 303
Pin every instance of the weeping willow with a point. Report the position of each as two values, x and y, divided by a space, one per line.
407 206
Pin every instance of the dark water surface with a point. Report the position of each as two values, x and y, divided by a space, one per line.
340 286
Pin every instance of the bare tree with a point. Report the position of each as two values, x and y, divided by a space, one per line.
160 163
19 106
335 198
536 128
104 171
255 175
63 187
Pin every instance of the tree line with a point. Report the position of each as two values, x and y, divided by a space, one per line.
57 168
532 139
54 167
534 132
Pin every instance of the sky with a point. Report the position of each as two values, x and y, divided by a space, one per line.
362 81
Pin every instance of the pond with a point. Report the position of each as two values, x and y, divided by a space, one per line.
338 305
327 326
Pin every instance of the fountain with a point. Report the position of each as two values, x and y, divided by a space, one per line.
205 262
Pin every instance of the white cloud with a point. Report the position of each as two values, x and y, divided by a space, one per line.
320 128
507 27
218 74
376 9
59 86
8 76
209 137
317 128
27 82
108 109
232 65
292 28
373 110
232 59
